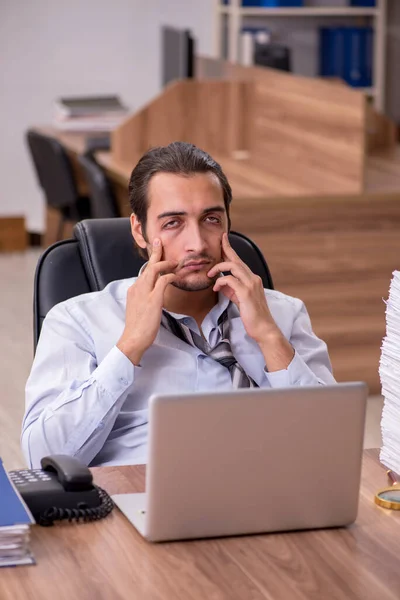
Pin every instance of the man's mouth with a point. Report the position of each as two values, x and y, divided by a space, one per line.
195 265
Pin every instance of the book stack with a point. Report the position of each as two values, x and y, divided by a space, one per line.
347 53
90 113
389 371
15 521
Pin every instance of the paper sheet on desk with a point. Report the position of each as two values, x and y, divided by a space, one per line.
389 372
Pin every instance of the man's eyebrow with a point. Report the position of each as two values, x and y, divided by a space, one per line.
182 213
217 208
172 213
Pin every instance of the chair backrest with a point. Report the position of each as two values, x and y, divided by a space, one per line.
103 251
102 200
53 169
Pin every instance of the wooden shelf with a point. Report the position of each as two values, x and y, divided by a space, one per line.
306 11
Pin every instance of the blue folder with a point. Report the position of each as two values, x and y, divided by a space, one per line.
12 508
347 52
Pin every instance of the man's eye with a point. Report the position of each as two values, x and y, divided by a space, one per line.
213 219
170 224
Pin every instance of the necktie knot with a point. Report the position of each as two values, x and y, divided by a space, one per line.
222 351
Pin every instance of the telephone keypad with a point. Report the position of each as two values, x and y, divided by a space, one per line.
26 477
34 475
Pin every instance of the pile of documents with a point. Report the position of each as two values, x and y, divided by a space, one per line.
89 113
15 521
389 371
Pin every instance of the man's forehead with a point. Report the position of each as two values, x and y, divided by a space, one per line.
184 192
182 180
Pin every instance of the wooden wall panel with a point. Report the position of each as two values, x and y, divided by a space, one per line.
153 125
381 131
128 140
206 114
308 132
165 117
309 129
210 114
337 255
13 236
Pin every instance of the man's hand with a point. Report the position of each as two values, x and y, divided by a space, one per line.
246 290
144 304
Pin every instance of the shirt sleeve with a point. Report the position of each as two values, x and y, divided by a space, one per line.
311 364
71 401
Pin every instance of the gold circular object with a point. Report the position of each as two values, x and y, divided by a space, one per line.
389 497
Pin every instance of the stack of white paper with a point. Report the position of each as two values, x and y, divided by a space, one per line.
14 546
389 371
89 113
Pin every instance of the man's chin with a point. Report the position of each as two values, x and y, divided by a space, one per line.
195 284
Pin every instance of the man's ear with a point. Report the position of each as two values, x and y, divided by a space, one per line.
137 233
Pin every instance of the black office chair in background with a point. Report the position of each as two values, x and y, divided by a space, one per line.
102 251
102 199
56 178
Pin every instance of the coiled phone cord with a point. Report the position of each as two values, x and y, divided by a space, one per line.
81 514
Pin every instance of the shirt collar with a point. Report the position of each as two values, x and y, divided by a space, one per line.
213 315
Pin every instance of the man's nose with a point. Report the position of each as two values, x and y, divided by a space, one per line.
195 240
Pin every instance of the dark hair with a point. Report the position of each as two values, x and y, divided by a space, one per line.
180 158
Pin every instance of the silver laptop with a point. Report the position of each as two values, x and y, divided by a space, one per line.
250 461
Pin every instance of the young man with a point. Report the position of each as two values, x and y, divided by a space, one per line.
180 326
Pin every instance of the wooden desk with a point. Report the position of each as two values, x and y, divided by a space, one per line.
109 559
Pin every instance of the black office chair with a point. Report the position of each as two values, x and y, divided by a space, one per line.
102 251
54 171
102 199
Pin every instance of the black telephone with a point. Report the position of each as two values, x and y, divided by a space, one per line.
62 489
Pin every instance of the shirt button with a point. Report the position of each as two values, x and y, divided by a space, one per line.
201 356
186 321
123 380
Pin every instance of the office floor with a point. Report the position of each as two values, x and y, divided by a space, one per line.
16 353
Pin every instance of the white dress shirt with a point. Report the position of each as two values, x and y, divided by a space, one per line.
86 399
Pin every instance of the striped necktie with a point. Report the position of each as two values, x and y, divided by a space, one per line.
221 352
